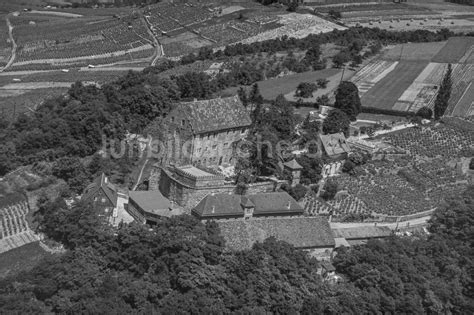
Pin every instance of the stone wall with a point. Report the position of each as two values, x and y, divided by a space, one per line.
188 197
216 148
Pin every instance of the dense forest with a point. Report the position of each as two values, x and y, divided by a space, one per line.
180 266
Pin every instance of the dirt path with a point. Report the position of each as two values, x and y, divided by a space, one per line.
158 48
14 46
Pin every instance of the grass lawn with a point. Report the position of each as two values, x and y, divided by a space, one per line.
21 259
270 89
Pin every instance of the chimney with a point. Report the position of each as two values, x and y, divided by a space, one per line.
289 205
213 209
171 205
195 99
105 179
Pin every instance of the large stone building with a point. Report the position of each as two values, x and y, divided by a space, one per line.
202 132
187 185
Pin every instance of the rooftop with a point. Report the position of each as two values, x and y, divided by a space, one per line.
273 203
154 202
215 114
101 182
194 171
335 144
301 232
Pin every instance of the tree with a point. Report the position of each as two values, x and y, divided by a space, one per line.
313 57
335 14
255 97
425 112
336 121
243 96
444 93
322 83
340 59
348 100
329 190
292 6
305 89
71 170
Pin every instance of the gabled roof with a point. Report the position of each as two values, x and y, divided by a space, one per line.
215 114
293 165
273 203
150 200
335 144
101 183
219 205
301 232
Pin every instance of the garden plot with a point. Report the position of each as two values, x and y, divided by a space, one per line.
422 92
296 25
368 76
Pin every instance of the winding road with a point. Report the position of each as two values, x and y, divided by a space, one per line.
158 48
14 46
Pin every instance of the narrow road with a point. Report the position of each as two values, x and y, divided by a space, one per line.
14 46
423 221
158 48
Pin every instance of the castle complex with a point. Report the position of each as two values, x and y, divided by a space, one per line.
202 132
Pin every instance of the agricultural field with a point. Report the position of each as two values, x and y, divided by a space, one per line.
385 93
407 77
413 15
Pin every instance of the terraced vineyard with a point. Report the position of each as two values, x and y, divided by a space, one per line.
14 229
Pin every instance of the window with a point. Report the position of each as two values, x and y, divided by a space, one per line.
183 122
103 200
226 144
214 147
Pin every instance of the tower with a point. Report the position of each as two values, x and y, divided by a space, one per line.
295 169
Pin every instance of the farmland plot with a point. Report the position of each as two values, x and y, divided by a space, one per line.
368 76
385 93
463 47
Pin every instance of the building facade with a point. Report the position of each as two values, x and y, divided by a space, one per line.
201 132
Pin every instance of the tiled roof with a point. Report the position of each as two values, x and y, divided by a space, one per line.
219 204
150 201
273 203
99 183
362 232
301 232
215 114
335 144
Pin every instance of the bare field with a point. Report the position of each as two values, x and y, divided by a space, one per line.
457 50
